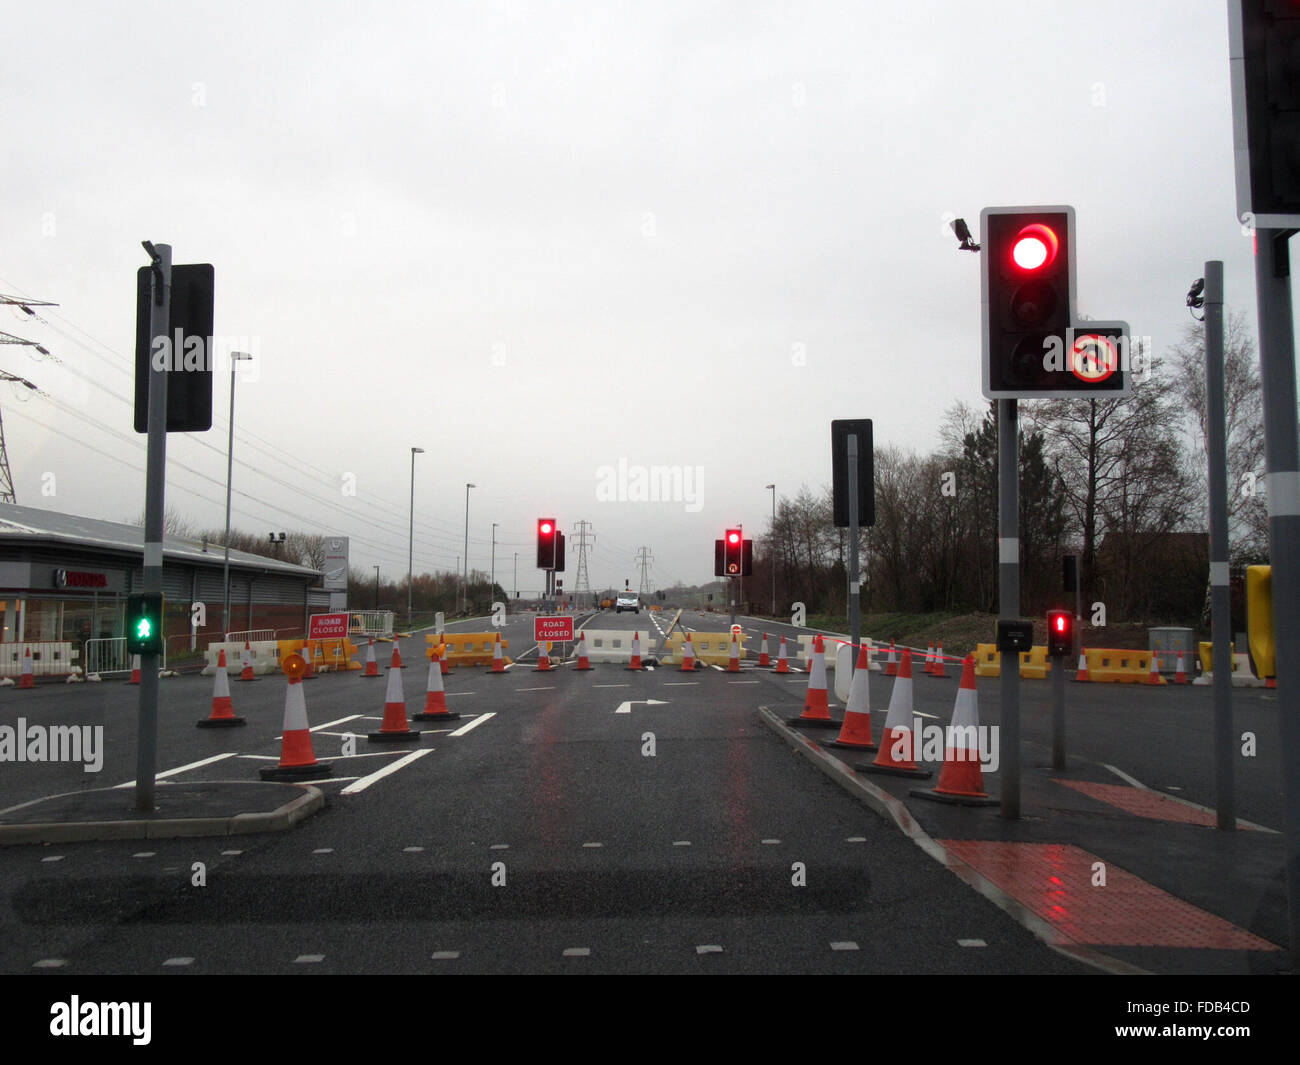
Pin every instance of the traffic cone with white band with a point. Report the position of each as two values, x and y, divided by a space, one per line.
896 754
297 760
960 780
223 711
435 699
688 656
395 727
855 732
816 708
636 652
372 667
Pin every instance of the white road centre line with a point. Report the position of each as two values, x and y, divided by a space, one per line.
340 721
50 963
593 844
308 959
742 682
473 724
53 858
611 685
179 961
844 944
856 839
681 683
681 843
577 952
544 689
445 955
180 769
708 948
360 785
971 943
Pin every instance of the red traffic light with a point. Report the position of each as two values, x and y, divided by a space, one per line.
1060 633
1061 624
733 536
545 528
1035 247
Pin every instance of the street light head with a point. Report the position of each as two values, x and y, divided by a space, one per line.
769 486
417 451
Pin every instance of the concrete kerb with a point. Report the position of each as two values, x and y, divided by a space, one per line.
895 810
283 817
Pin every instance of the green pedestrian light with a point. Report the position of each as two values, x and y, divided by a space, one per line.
144 624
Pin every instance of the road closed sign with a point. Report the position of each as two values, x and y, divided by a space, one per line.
554 627
327 627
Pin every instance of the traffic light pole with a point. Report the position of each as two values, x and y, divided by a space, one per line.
1282 451
855 627
1009 598
1220 601
1058 712
146 762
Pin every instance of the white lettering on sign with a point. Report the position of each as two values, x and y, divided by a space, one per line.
327 626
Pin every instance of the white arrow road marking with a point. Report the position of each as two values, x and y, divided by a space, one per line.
626 708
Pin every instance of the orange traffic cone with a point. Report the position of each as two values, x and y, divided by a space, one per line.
135 670
446 659
1180 677
1153 676
636 652
297 760
435 699
395 728
897 743
583 663
1082 673
891 661
247 672
27 680
763 659
960 779
498 662
372 667
543 657
782 666
938 670
929 659
223 711
688 656
396 662
733 663
856 730
816 708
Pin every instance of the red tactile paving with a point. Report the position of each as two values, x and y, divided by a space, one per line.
1139 803
1055 881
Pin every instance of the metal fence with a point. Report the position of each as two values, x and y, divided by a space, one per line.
371 622
108 655
251 635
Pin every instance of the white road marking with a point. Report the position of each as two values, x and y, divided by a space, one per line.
412 850
742 682
472 724
844 944
499 847
339 721
856 839
144 854
180 769
770 841
708 948
360 785
50 963
679 683
681 843
576 952
53 858
179 961
932 717
308 959
547 689
449 694
593 844
445 955
232 852
611 685
971 943
323 850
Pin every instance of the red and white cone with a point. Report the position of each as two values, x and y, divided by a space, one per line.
394 728
247 672
960 779
688 656
891 661
297 759
435 698
782 665
1082 673
396 661
855 732
1153 675
896 754
223 710
733 663
938 670
636 652
929 659
816 707
27 680
498 662
135 670
763 660
446 659
583 662
1180 677
543 657
372 667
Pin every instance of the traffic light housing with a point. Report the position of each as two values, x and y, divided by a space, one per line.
559 551
1060 633
733 548
189 377
1264 61
144 624
546 543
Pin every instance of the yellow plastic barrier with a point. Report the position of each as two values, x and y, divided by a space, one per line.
1259 620
711 647
469 648
1205 650
1034 663
333 655
1119 666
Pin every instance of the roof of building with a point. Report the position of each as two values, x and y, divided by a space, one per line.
31 524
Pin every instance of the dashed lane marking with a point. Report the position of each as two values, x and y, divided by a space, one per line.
358 786
593 844
180 769
308 959
473 724
50 963
681 843
971 943
499 847
708 948
339 721
844 944
445 955
611 685
144 854
179 961
577 952
323 850
53 858
545 689
679 683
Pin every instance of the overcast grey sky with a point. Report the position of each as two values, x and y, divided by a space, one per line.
538 239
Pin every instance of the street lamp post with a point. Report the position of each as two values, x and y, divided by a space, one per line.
465 583
410 552
772 552
235 356
515 582
376 589
492 587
